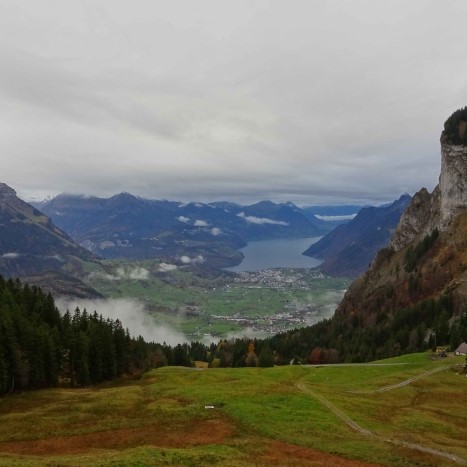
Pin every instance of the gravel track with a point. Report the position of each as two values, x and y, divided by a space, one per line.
356 427
402 383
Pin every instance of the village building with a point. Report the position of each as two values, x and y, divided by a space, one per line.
462 349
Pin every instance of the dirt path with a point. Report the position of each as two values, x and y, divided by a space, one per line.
356 427
401 384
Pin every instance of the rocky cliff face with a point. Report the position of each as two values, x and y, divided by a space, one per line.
420 218
438 209
414 295
420 266
452 183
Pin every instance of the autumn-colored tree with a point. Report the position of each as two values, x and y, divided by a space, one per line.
251 358
316 356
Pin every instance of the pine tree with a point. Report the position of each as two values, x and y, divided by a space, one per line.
266 358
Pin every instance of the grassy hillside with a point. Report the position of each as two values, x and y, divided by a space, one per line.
328 415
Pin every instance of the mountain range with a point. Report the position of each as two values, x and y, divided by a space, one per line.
34 243
36 248
126 226
413 295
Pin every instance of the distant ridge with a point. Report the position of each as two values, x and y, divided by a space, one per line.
349 248
31 245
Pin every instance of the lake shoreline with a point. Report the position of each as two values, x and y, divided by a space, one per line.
276 253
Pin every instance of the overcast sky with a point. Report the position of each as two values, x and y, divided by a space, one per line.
309 101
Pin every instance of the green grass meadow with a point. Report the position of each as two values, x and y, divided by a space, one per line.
161 418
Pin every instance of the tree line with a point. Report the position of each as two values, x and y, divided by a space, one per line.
40 347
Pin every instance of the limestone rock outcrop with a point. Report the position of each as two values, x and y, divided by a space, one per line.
414 220
452 182
438 209
419 266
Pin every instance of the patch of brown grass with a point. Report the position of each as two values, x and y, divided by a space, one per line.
214 431
283 454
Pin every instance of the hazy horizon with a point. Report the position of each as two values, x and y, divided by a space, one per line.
246 202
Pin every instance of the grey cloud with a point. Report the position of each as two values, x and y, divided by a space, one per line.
133 273
260 220
310 102
10 255
196 260
166 267
200 223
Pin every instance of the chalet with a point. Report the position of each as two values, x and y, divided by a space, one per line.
462 349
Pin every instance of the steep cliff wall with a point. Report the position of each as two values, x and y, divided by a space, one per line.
414 295
452 182
421 215
418 266
438 209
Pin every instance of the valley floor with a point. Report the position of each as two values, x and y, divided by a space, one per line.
221 305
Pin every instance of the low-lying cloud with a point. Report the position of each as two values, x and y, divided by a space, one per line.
10 255
200 223
166 267
216 231
246 333
260 220
346 217
197 260
183 219
131 313
329 301
137 273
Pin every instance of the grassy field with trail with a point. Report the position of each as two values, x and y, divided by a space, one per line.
413 408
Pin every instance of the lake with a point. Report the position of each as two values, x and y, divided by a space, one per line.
282 253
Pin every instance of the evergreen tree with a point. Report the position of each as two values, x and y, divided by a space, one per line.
265 358
181 357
